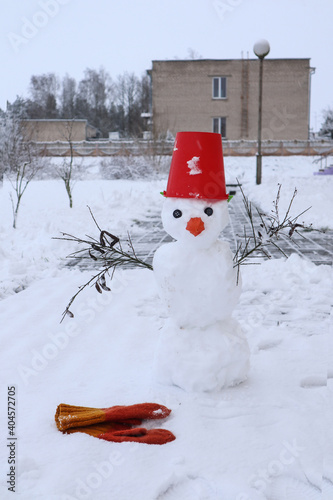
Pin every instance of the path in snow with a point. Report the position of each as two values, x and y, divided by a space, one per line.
314 246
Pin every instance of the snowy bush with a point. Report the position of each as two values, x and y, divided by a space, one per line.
133 167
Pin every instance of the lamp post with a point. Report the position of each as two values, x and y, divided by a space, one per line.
261 49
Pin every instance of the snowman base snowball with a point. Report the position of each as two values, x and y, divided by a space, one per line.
202 359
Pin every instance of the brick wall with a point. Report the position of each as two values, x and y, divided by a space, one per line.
182 97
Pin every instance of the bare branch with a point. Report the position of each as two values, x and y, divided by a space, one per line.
270 229
93 218
106 252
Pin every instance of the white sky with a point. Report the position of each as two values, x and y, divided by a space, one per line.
126 35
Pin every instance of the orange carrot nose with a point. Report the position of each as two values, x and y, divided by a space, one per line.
195 226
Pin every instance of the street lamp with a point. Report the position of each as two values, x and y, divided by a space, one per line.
261 49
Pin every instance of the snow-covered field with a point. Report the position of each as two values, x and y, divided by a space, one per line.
291 172
268 438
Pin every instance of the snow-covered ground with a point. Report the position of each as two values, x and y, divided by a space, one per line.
268 438
315 191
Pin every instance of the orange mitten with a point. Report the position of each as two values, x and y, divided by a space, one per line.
142 411
139 435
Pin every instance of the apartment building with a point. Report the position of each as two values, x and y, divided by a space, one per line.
222 96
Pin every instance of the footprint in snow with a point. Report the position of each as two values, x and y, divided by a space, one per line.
288 488
29 473
199 488
313 381
269 344
327 486
188 488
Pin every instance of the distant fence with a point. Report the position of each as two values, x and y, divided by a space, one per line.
152 148
278 148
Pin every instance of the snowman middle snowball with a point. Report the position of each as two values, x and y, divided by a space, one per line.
195 274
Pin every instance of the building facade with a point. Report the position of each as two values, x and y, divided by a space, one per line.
222 96
45 130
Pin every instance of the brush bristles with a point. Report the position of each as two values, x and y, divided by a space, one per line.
68 416
98 429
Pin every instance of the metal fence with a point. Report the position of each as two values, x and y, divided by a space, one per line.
155 148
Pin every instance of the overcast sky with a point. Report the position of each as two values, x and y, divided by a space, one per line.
67 36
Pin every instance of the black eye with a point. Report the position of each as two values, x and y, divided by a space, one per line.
208 211
177 213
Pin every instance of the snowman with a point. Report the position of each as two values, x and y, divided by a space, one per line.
201 346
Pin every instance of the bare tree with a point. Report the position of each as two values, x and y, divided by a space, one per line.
131 97
92 100
193 54
67 97
110 105
65 170
19 157
327 125
43 91
3 166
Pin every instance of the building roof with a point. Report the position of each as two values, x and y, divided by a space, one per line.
55 120
229 60
61 120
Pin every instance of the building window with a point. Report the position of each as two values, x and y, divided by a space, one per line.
219 87
220 126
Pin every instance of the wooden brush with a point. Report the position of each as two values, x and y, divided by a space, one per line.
68 417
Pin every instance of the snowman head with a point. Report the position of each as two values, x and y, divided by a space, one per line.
195 222
196 209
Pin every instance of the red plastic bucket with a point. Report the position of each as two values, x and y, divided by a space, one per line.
197 169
